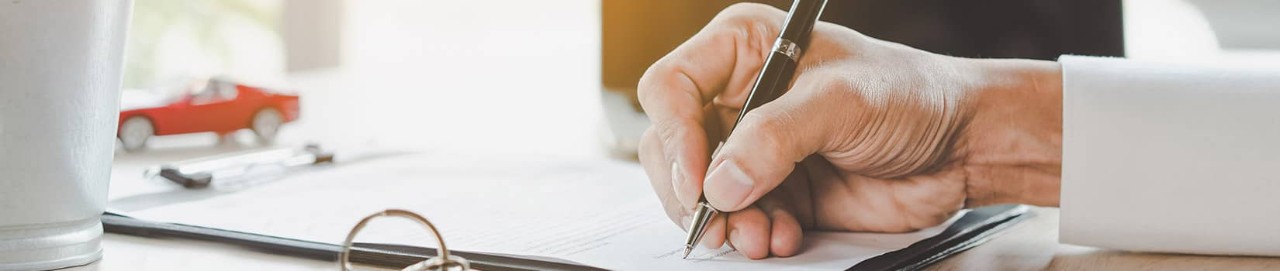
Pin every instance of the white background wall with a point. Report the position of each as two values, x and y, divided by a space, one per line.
1243 24
502 75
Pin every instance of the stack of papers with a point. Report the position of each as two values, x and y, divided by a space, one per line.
597 212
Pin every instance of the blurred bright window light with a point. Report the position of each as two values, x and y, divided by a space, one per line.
203 38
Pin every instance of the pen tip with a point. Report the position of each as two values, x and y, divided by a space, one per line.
686 252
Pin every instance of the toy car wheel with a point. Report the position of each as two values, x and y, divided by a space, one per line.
134 133
266 123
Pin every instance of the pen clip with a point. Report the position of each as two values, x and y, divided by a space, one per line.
200 173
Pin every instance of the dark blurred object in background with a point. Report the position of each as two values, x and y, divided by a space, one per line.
638 32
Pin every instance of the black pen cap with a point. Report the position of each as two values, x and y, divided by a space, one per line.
800 20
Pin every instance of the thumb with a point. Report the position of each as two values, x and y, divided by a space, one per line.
761 151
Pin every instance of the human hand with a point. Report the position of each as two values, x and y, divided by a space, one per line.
871 135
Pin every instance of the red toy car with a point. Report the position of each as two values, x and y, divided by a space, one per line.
214 105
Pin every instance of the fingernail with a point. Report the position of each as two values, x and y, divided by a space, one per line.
728 185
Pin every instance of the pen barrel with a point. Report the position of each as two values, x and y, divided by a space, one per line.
800 21
775 78
701 218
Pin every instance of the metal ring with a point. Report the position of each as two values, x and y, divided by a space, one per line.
442 262
787 48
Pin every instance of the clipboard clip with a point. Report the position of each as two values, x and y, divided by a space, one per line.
202 172
442 262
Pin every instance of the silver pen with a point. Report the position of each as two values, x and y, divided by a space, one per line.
202 172
774 78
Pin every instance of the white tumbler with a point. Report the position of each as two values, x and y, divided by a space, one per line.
60 73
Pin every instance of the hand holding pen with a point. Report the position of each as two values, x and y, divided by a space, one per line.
867 135
775 76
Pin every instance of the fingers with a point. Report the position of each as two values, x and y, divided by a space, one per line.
765 229
721 59
749 231
714 237
763 150
658 169
785 231
720 62
683 144
883 205
652 158
724 55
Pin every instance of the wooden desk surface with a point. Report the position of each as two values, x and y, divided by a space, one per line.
1031 245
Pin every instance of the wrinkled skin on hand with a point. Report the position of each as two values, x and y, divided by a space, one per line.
870 136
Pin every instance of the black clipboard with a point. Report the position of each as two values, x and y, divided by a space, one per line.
972 229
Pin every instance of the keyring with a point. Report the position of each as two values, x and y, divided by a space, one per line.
444 261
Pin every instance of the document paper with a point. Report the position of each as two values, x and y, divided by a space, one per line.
596 212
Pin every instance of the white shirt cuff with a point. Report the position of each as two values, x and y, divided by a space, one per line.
1170 158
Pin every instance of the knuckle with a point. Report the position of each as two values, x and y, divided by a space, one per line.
750 24
646 149
666 131
826 83
665 86
739 11
648 84
834 84
670 134
769 127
